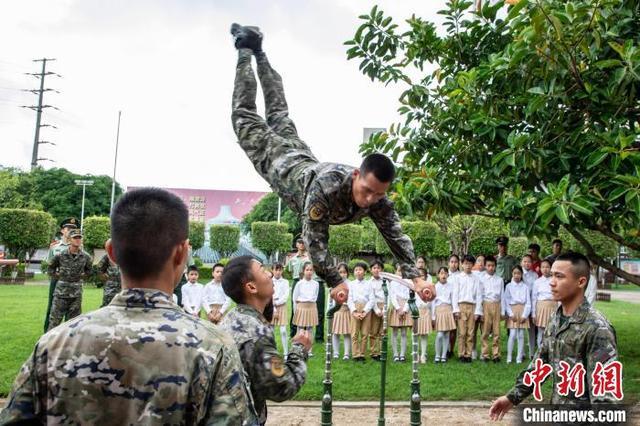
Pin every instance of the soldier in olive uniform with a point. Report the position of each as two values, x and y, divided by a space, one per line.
504 261
141 359
55 248
322 193
110 273
70 268
577 333
245 281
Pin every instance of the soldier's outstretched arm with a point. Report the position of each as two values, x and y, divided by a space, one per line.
387 221
272 377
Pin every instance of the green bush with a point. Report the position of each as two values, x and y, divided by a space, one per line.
224 239
388 267
270 237
224 261
23 231
196 234
198 262
97 230
518 246
369 233
205 273
345 240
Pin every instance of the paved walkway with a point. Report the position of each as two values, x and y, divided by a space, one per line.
622 295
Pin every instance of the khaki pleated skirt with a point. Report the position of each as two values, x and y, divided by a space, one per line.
517 310
283 315
342 320
306 314
444 318
544 310
394 317
424 322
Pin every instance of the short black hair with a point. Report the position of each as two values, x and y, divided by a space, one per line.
490 258
535 247
192 268
527 255
235 275
377 262
421 257
146 225
361 265
545 261
423 272
217 265
456 256
277 266
443 268
580 265
519 268
469 258
380 165
556 241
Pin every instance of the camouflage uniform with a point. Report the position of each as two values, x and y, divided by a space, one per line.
70 269
319 192
53 251
269 376
140 360
112 285
585 337
504 267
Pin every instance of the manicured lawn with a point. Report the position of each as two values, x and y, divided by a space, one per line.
22 309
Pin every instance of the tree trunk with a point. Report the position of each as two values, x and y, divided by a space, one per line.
594 257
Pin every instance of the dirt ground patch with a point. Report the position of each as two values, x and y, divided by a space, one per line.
295 415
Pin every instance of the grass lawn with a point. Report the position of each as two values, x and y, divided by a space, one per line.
22 309
625 287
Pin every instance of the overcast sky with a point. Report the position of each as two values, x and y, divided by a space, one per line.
169 66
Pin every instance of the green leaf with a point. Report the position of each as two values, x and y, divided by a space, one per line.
596 158
581 208
537 90
562 213
608 63
513 12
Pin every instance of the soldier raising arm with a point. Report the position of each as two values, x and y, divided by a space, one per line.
577 335
246 282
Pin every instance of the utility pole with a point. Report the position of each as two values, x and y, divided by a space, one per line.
115 163
38 108
84 184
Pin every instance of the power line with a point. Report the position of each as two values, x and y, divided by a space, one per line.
38 108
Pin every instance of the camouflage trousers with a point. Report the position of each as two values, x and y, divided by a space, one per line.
64 307
273 146
109 291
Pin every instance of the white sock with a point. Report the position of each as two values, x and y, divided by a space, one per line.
439 342
394 341
540 335
310 331
520 344
423 345
445 346
347 344
284 339
510 342
335 340
403 344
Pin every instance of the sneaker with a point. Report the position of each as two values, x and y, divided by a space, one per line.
247 37
403 359
474 355
496 360
396 359
346 358
508 361
336 356
423 359
436 360
518 361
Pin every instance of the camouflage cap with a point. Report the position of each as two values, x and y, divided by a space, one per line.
70 222
502 240
75 232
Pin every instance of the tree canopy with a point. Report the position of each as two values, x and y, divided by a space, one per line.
528 112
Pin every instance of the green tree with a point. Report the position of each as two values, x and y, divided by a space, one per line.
531 115
345 240
96 230
224 239
196 234
266 210
270 237
23 231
